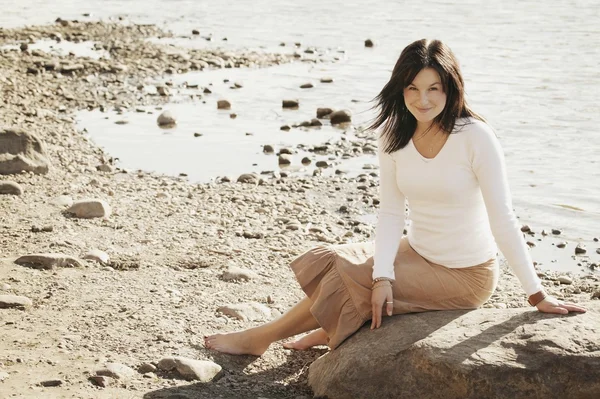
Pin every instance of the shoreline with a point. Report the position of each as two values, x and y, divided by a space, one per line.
170 242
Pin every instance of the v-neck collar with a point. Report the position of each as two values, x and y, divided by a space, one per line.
425 159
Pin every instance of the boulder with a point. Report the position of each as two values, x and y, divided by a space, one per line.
21 151
484 353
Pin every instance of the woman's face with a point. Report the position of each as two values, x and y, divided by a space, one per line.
424 96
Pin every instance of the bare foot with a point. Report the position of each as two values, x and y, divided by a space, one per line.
317 337
238 343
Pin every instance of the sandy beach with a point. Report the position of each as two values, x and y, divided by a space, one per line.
184 260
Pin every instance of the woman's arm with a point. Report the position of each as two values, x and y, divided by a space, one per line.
391 217
489 166
490 169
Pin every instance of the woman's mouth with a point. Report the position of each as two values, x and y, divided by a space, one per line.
423 110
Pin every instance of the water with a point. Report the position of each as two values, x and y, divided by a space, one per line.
530 69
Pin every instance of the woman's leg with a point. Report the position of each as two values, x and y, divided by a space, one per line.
317 337
255 341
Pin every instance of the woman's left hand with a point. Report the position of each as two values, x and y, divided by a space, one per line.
553 305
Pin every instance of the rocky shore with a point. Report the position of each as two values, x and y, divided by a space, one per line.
109 278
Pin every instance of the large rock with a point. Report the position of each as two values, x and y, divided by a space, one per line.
21 151
485 353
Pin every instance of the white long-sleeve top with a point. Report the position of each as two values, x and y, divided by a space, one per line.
459 205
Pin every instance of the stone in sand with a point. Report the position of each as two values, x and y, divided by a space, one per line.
21 151
116 370
166 119
199 370
315 122
97 256
234 273
48 261
369 43
306 86
10 188
14 301
251 311
88 209
268 149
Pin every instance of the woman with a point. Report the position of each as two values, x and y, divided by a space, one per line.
442 157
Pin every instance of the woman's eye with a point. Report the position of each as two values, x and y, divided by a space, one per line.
433 88
412 88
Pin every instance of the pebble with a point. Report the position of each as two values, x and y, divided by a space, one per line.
223 104
200 370
525 229
268 149
92 208
51 383
146 368
307 86
369 43
62 201
105 168
166 119
15 302
101 381
580 249
10 188
341 116
556 232
163 91
284 159
248 178
234 273
561 244
323 112
116 370
97 256
251 311
290 104
48 261
285 127
565 279
326 80
315 122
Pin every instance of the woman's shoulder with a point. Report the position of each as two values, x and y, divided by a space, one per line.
474 130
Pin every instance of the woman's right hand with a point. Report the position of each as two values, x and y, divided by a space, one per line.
381 297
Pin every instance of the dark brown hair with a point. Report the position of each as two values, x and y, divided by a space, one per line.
397 122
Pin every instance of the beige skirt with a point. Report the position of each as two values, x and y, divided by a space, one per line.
338 278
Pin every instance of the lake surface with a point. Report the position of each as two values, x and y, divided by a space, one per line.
530 68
